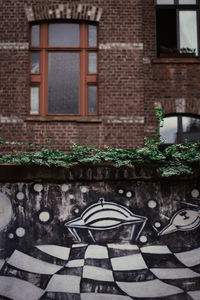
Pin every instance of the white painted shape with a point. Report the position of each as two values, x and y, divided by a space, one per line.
147 289
123 246
44 216
96 273
175 273
95 296
75 263
96 251
157 225
2 261
64 284
120 191
57 251
79 245
152 204
30 264
143 239
155 249
65 187
128 194
18 289
6 211
189 258
128 263
71 196
20 196
20 232
195 193
38 187
195 295
84 189
11 236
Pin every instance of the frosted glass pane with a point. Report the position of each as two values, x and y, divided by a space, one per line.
165 2
35 60
64 35
34 107
169 130
92 99
63 83
187 2
92 63
35 35
188 31
92 36
191 128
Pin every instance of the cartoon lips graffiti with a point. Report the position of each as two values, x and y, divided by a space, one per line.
104 216
183 220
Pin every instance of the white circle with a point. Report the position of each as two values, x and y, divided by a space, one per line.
38 187
128 194
84 189
20 196
11 236
71 196
195 193
44 216
120 191
76 210
157 224
152 204
20 231
6 211
143 239
64 187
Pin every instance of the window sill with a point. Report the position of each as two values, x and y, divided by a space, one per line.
173 60
79 119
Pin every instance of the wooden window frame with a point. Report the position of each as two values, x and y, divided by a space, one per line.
85 78
181 7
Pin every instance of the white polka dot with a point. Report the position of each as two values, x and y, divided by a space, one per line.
65 187
71 196
6 211
128 194
195 193
143 239
38 187
84 189
152 204
20 196
44 216
157 225
76 210
11 236
120 191
20 231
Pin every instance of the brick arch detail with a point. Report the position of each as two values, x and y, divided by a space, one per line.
64 11
180 105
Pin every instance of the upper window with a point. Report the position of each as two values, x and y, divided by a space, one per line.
177 129
177 23
63 69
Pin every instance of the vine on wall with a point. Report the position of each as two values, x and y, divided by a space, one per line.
176 159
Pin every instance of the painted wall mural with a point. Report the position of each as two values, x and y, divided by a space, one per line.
100 240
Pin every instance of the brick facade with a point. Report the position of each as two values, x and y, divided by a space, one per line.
131 80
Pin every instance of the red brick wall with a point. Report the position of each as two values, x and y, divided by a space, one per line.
131 82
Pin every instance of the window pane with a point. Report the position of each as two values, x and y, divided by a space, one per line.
92 99
92 62
187 1
169 130
165 1
63 83
34 107
35 35
64 35
188 31
92 36
35 62
191 128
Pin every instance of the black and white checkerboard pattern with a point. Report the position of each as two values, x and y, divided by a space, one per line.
96 272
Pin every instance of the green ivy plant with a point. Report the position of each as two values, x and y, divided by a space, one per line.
173 160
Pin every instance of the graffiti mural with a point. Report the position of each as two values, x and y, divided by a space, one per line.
100 241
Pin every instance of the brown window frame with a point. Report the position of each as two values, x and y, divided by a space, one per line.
176 7
86 79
